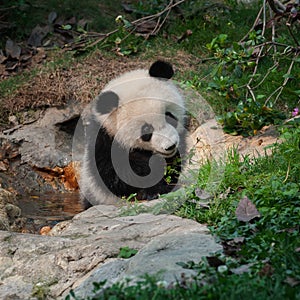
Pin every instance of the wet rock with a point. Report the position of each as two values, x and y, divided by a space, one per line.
43 147
10 213
81 247
47 142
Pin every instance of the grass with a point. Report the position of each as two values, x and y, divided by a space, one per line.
261 257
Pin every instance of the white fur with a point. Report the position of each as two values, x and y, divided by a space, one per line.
143 98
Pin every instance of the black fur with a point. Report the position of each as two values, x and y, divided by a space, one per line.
106 102
161 69
139 161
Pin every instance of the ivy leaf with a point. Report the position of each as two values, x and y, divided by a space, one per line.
246 210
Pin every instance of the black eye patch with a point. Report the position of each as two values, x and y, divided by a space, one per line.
147 131
171 119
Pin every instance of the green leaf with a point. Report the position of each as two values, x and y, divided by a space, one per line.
126 252
288 76
66 27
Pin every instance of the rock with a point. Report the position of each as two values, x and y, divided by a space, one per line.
81 247
158 258
48 141
211 142
10 213
43 160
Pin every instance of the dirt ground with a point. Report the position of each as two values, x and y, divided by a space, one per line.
81 81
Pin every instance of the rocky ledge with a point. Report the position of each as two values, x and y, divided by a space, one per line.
84 250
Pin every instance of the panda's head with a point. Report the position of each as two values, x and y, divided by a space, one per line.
143 109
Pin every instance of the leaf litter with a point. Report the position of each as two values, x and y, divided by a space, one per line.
246 210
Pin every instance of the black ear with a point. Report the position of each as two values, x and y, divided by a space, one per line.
161 69
106 102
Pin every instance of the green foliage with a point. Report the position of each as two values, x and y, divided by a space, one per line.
240 65
170 171
232 58
123 42
126 252
273 185
265 265
249 117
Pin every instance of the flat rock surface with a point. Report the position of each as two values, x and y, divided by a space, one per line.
81 247
210 141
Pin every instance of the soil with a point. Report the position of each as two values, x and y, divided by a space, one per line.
79 82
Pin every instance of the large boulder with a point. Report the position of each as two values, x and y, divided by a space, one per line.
77 252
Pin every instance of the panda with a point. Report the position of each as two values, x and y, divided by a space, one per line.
134 137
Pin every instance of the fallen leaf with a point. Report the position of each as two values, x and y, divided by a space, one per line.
12 65
12 49
242 269
82 23
3 166
239 240
185 35
224 195
267 270
232 247
52 17
3 58
37 35
202 194
45 230
246 210
292 281
214 261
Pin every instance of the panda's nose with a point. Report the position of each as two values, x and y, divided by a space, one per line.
171 147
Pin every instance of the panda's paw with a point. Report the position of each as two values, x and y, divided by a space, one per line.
144 195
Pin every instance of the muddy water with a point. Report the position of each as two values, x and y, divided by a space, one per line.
47 209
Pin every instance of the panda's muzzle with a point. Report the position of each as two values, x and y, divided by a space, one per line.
171 148
169 152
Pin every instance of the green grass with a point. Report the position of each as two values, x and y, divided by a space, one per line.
147 288
270 248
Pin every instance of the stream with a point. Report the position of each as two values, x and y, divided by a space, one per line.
48 209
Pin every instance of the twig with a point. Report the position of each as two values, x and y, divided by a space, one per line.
256 67
164 20
264 18
100 36
287 173
267 74
8 8
168 7
273 30
286 79
279 89
253 26
251 92
291 33
278 10
271 43
260 52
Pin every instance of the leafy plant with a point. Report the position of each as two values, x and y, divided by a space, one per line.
126 252
249 117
